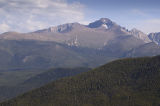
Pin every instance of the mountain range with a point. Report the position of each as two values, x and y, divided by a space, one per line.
75 34
74 45
63 49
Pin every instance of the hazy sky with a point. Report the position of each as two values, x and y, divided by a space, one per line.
30 15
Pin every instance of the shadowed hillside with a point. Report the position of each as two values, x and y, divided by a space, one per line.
12 86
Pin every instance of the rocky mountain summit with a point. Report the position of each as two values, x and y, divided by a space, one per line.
74 44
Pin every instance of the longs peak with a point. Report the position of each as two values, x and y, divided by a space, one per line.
103 21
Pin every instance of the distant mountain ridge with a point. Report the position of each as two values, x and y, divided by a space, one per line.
155 37
74 45
101 30
61 28
139 34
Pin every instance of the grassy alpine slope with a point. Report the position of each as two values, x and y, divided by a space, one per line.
126 82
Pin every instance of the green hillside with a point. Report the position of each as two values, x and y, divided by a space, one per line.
126 82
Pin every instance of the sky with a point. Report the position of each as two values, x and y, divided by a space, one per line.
31 15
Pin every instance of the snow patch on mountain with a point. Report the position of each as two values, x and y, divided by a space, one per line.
103 22
105 26
73 42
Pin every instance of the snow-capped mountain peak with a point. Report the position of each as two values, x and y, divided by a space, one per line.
102 22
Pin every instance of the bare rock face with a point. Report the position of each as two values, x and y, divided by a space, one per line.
137 33
61 28
155 37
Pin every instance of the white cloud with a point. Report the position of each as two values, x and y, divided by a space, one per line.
144 20
150 25
4 27
85 22
139 12
30 15
153 21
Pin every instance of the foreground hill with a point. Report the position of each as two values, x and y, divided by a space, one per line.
22 81
127 82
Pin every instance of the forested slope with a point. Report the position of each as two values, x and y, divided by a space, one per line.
126 82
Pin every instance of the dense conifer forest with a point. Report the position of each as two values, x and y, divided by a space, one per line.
125 82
